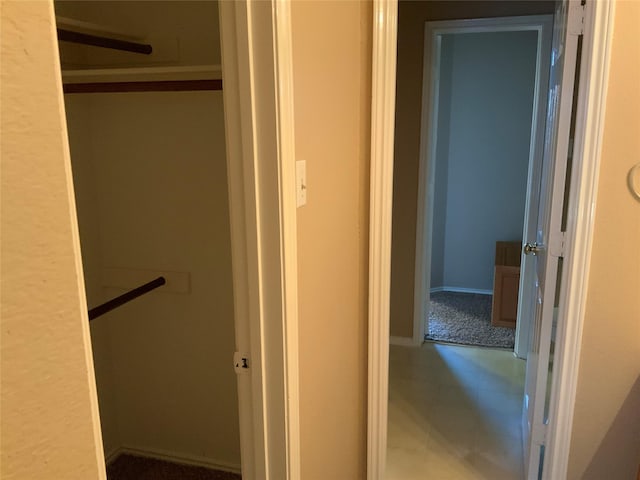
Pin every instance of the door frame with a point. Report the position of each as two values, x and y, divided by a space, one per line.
597 28
543 24
258 90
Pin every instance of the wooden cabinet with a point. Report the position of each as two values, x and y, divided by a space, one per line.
506 284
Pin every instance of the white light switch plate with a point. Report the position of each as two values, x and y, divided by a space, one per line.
301 183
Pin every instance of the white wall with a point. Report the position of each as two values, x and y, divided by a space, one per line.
487 126
157 162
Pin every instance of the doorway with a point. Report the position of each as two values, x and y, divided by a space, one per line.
457 410
484 98
146 124
573 21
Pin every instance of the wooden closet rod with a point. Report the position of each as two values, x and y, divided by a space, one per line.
125 297
104 42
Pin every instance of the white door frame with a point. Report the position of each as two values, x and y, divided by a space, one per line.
543 25
257 76
594 69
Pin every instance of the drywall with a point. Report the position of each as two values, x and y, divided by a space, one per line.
489 110
49 414
606 428
159 180
332 88
180 32
411 18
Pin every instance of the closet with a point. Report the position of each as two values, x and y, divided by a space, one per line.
147 141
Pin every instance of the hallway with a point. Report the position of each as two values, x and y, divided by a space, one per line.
454 413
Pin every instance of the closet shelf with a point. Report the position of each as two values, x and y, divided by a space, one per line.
143 79
104 42
92 28
142 74
92 34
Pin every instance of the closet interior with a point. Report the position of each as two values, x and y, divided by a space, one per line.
144 108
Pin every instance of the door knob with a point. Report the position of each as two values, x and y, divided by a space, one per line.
532 248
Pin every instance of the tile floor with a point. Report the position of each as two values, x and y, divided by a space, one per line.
454 413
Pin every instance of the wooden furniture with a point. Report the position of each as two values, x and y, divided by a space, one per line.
506 283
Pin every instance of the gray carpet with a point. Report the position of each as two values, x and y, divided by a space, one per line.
465 318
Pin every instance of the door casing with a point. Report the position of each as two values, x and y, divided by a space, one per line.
258 78
597 28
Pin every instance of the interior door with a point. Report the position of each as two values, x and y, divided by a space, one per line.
526 297
544 253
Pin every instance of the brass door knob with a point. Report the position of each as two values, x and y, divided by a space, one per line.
532 248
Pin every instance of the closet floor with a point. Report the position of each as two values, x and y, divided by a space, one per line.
129 467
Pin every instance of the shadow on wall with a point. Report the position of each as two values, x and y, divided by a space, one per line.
623 434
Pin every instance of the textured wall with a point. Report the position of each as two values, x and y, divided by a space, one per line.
332 78
606 432
49 417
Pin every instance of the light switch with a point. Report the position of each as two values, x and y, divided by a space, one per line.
301 183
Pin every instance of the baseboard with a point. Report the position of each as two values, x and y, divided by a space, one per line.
181 458
461 290
112 455
403 341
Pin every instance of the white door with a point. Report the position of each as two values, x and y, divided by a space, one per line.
526 298
544 252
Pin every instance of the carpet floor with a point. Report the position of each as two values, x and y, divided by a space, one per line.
465 319
129 467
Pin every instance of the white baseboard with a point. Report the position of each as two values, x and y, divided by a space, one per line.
174 457
461 290
404 341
